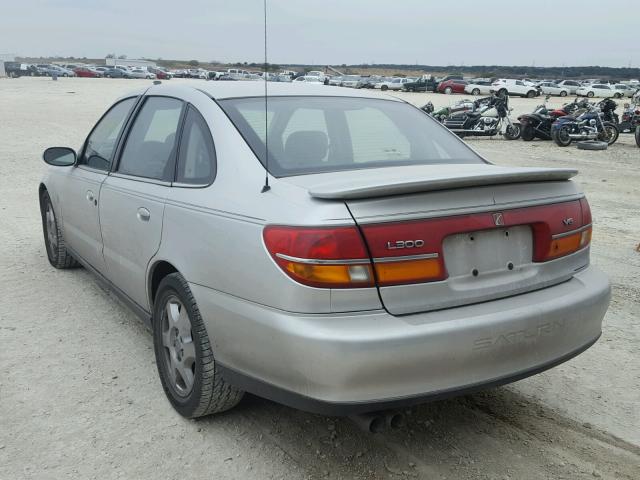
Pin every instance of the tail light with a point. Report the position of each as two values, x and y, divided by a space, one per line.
321 257
411 252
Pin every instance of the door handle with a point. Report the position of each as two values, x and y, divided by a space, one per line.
91 197
143 214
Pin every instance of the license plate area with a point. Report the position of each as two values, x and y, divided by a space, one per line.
488 253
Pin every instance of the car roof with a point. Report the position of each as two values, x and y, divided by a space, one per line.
224 90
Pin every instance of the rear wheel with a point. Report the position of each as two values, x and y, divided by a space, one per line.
618 95
561 136
590 94
475 91
184 356
513 131
531 94
563 93
528 133
384 88
503 92
610 133
57 253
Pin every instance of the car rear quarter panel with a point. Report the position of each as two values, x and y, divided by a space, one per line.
213 235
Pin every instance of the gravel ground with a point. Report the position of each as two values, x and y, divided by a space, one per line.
80 398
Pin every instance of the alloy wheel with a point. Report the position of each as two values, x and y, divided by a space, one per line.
179 349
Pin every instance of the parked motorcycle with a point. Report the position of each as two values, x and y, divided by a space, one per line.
630 118
638 136
538 123
489 117
588 126
460 106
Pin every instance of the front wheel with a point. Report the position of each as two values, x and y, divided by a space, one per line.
561 136
531 94
610 133
476 91
513 131
563 93
186 364
590 94
57 252
528 133
448 90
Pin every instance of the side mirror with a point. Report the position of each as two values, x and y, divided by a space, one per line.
59 156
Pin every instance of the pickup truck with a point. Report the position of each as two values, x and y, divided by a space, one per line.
421 85
15 69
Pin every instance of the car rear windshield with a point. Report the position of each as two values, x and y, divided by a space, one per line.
324 134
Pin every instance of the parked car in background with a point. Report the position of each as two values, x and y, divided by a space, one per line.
370 82
15 70
87 72
316 73
548 88
59 71
426 83
623 90
393 84
113 72
514 87
351 81
452 86
596 90
140 73
179 73
160 73
478 87
571 85
308 79
335 81
403 269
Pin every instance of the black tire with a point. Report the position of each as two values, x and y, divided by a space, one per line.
561 137
57 252
612 134
563 93
503 92
209 392
475 91
528 133
618 96
590 94
593 145
384 88
638 136
513 131
531 94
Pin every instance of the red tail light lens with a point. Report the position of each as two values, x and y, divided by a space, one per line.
321 257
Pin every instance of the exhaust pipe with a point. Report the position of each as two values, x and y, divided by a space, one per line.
370 422
378 422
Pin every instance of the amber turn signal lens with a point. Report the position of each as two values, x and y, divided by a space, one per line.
331 275
569 244
410 271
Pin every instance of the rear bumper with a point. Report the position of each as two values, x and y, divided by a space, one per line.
346 363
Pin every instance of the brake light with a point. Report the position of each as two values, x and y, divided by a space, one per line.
321 257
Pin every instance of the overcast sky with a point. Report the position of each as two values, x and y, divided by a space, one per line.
432 32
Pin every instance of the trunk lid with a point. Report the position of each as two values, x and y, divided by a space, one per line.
486 225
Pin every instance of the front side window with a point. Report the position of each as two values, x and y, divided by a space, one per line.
150 149
324 134
98 151
197 158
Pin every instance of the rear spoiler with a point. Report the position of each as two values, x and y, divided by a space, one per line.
367 187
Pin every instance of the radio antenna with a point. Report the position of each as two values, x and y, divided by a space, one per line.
266 187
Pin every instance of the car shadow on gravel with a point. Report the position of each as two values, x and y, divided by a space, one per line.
496 431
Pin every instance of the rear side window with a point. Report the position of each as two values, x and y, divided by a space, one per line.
150 150
197 158
101 143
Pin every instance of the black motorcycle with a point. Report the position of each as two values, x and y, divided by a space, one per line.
489 117
638 136
538 123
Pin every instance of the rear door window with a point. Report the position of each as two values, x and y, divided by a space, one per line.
150 149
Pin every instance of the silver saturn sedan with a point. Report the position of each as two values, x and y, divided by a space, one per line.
332 250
